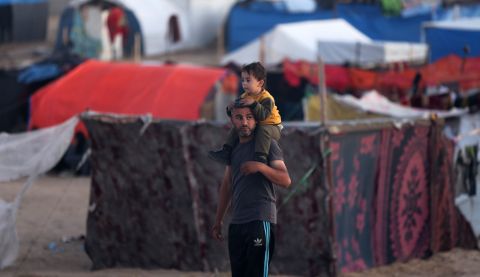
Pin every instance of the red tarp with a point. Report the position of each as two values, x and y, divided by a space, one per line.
164 91
450 69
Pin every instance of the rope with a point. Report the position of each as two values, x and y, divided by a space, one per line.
302 184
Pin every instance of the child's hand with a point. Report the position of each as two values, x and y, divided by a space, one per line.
247 101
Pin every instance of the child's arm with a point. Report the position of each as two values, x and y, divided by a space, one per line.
263 109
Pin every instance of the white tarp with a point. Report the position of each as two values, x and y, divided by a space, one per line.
469 206
27 154
334 40
374 102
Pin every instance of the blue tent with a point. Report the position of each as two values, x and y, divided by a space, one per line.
371 21
461 37
248 21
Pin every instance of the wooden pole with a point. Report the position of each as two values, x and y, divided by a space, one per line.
137 50
322 90
261 54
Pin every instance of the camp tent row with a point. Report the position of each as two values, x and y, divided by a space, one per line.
334 40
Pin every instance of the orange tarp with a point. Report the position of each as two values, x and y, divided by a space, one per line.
164 91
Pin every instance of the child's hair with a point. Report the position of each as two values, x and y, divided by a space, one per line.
257 70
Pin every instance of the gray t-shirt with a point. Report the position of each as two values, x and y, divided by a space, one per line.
253 195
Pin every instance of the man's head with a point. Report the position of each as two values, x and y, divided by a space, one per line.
254 77
243 121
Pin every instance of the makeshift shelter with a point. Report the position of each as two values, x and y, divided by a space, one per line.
149 27
334 40
23 20
374 199
163 91
459 37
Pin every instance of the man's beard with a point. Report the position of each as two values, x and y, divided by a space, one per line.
244 131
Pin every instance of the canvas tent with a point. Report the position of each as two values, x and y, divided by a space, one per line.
452 37
334 40
23 20
161 26
164 91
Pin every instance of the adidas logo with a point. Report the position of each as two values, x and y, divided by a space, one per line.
257 242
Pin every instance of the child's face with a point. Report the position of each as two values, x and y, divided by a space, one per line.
251 84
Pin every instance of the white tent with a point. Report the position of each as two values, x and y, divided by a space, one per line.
334 40
197 22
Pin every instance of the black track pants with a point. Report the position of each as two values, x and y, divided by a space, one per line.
251 247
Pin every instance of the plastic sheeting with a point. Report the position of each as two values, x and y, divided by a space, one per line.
375 102
27 154
35 152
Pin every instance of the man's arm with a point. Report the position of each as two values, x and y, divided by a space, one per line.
276 172
224 197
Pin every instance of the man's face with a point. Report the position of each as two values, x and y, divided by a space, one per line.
243 121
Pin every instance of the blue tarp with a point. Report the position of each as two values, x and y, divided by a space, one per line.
370 20
247 22
451 13
446 41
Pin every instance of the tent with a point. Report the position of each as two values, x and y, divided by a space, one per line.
158 26
335 40
247 20
164 91
23 20
452 37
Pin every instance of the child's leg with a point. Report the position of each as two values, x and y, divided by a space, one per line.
232 138
263 137
224 155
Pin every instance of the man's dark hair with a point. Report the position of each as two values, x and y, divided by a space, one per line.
257 70
237 105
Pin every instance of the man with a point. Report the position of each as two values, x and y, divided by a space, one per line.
248 186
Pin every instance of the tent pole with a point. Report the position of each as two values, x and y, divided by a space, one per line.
261 55
322 90
137 48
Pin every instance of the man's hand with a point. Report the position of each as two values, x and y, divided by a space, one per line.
251 167
217 232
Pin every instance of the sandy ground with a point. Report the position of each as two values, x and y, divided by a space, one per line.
55 209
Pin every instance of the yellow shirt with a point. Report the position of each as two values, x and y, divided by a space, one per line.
265 110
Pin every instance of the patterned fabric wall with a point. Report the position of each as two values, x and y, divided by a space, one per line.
153 198
394 196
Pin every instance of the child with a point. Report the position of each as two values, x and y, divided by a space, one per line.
265 112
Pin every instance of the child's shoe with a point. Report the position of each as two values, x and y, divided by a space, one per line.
222 156
260 157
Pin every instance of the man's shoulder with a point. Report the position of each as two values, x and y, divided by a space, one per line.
276 152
